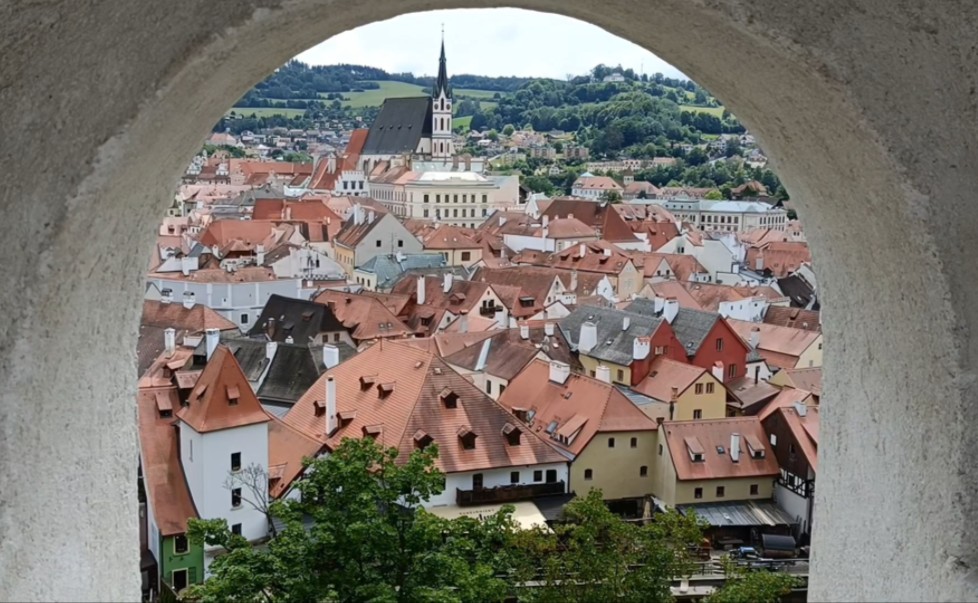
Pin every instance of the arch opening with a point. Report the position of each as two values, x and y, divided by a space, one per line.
816 92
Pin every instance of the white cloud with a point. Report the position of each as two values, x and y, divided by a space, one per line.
495 42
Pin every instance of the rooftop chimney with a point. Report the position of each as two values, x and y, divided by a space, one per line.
370 217
170 341
573 282
588 337
603 373
626 322
260 254
446 285
559 371
502 220
189 299
801 409
718 371
331 355
270 348
548 329
546 221
463 325
755 338
641 348
420 294
289 339
331 422
581 250
213 336
524 331
670 309
735 447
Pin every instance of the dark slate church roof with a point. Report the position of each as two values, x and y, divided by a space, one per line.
296 318
399 126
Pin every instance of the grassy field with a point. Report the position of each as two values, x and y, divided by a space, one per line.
266 111
718 111
462 121
375 97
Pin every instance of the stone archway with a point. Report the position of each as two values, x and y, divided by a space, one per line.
868 107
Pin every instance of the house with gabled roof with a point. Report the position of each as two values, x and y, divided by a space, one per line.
707 338
368 233
793 435
608 440
201 432
716 460
408 398
783 347
618 346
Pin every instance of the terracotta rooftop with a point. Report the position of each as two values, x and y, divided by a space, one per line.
805 430
571 413
159 449
287 447
778 345
680 266
598 256
365 316
665 374
503 355
793 317
566 228
602 183
222 397
704 439
751 396
787 397
448 236
809 379
395 391
781 258
600 216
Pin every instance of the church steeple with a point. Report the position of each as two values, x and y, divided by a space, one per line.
441 85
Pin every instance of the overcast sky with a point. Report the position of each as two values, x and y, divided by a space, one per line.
494 42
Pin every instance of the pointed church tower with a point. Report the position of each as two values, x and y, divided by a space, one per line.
441 112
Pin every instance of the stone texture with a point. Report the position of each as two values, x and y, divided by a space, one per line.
868 107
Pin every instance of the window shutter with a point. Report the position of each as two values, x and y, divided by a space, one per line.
192 575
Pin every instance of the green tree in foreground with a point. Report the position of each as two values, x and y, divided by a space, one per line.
370 541
744 586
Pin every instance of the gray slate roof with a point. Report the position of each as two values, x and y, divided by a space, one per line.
388 269
614 344
399 126
297 318
294 370
690 326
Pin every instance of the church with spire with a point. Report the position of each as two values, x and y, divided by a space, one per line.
407 161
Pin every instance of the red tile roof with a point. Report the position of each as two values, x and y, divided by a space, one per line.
706 437
808 379
593 405
420 384
594 259
222 397
287 447
448 236
786 398
159 448
175 315
793 317
600 216
777 345
805 430
781 258
665 374
366 316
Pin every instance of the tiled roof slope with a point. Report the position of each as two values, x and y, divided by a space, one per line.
418 383
222 397
709 436
578 408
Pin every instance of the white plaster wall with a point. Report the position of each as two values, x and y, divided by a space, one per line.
794 505
492 478
215 466
866 109
231 300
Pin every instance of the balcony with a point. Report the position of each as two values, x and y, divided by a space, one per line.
503 494
489 311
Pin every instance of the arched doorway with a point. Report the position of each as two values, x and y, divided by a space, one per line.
867 108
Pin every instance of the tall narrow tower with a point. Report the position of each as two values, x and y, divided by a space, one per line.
441 111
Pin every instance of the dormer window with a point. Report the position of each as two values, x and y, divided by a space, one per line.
755 447
422 440
694 448
233 395
372 431
366 381
346 417
512 434
521 413
319 408
385 389
449 398
467 437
